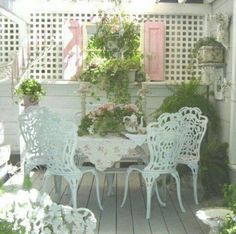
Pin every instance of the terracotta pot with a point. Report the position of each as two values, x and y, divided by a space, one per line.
210 54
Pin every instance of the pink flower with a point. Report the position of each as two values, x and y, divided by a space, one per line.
110 106
131 107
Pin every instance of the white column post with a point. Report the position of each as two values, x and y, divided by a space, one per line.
232 141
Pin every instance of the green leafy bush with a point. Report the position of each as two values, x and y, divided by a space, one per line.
214 167
229 192
190 94
228 226
8 228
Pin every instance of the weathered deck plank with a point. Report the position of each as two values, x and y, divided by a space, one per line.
108 217
188 219
141 225
131 218
124 215
92 204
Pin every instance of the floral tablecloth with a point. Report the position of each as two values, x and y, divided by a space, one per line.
103 152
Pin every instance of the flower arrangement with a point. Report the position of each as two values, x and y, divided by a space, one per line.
31 212
107 118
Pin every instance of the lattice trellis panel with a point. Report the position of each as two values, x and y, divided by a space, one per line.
9 39
182 31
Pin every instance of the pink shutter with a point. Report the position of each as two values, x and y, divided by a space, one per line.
72 48
154 50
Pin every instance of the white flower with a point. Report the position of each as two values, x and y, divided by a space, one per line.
36 213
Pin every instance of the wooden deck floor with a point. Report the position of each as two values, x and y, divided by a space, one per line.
131 218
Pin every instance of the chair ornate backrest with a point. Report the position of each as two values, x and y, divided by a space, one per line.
169 121
31 123
164 146
195 125
59 140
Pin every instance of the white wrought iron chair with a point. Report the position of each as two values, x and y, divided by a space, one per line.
164 146
31 121
59 141
195 124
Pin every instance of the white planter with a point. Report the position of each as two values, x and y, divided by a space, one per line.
131 75
27 101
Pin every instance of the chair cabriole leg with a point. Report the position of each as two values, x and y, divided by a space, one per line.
177 180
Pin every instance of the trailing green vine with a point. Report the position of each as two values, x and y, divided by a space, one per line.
112 52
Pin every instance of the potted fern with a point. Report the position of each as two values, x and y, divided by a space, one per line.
30 91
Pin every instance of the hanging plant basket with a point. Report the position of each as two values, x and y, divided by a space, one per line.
210 54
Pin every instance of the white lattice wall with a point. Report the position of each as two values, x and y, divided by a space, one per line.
9 39
182 31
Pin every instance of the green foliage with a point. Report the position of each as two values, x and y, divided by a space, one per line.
27 184
229 192
116 36
115 82
30 87
190 94
228 226
214 167
112 51
8 228
107 118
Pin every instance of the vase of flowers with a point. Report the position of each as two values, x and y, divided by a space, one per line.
107 118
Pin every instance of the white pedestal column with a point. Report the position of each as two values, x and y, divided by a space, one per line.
232 147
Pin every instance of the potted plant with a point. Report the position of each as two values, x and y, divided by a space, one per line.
208 50
30 91
112 52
